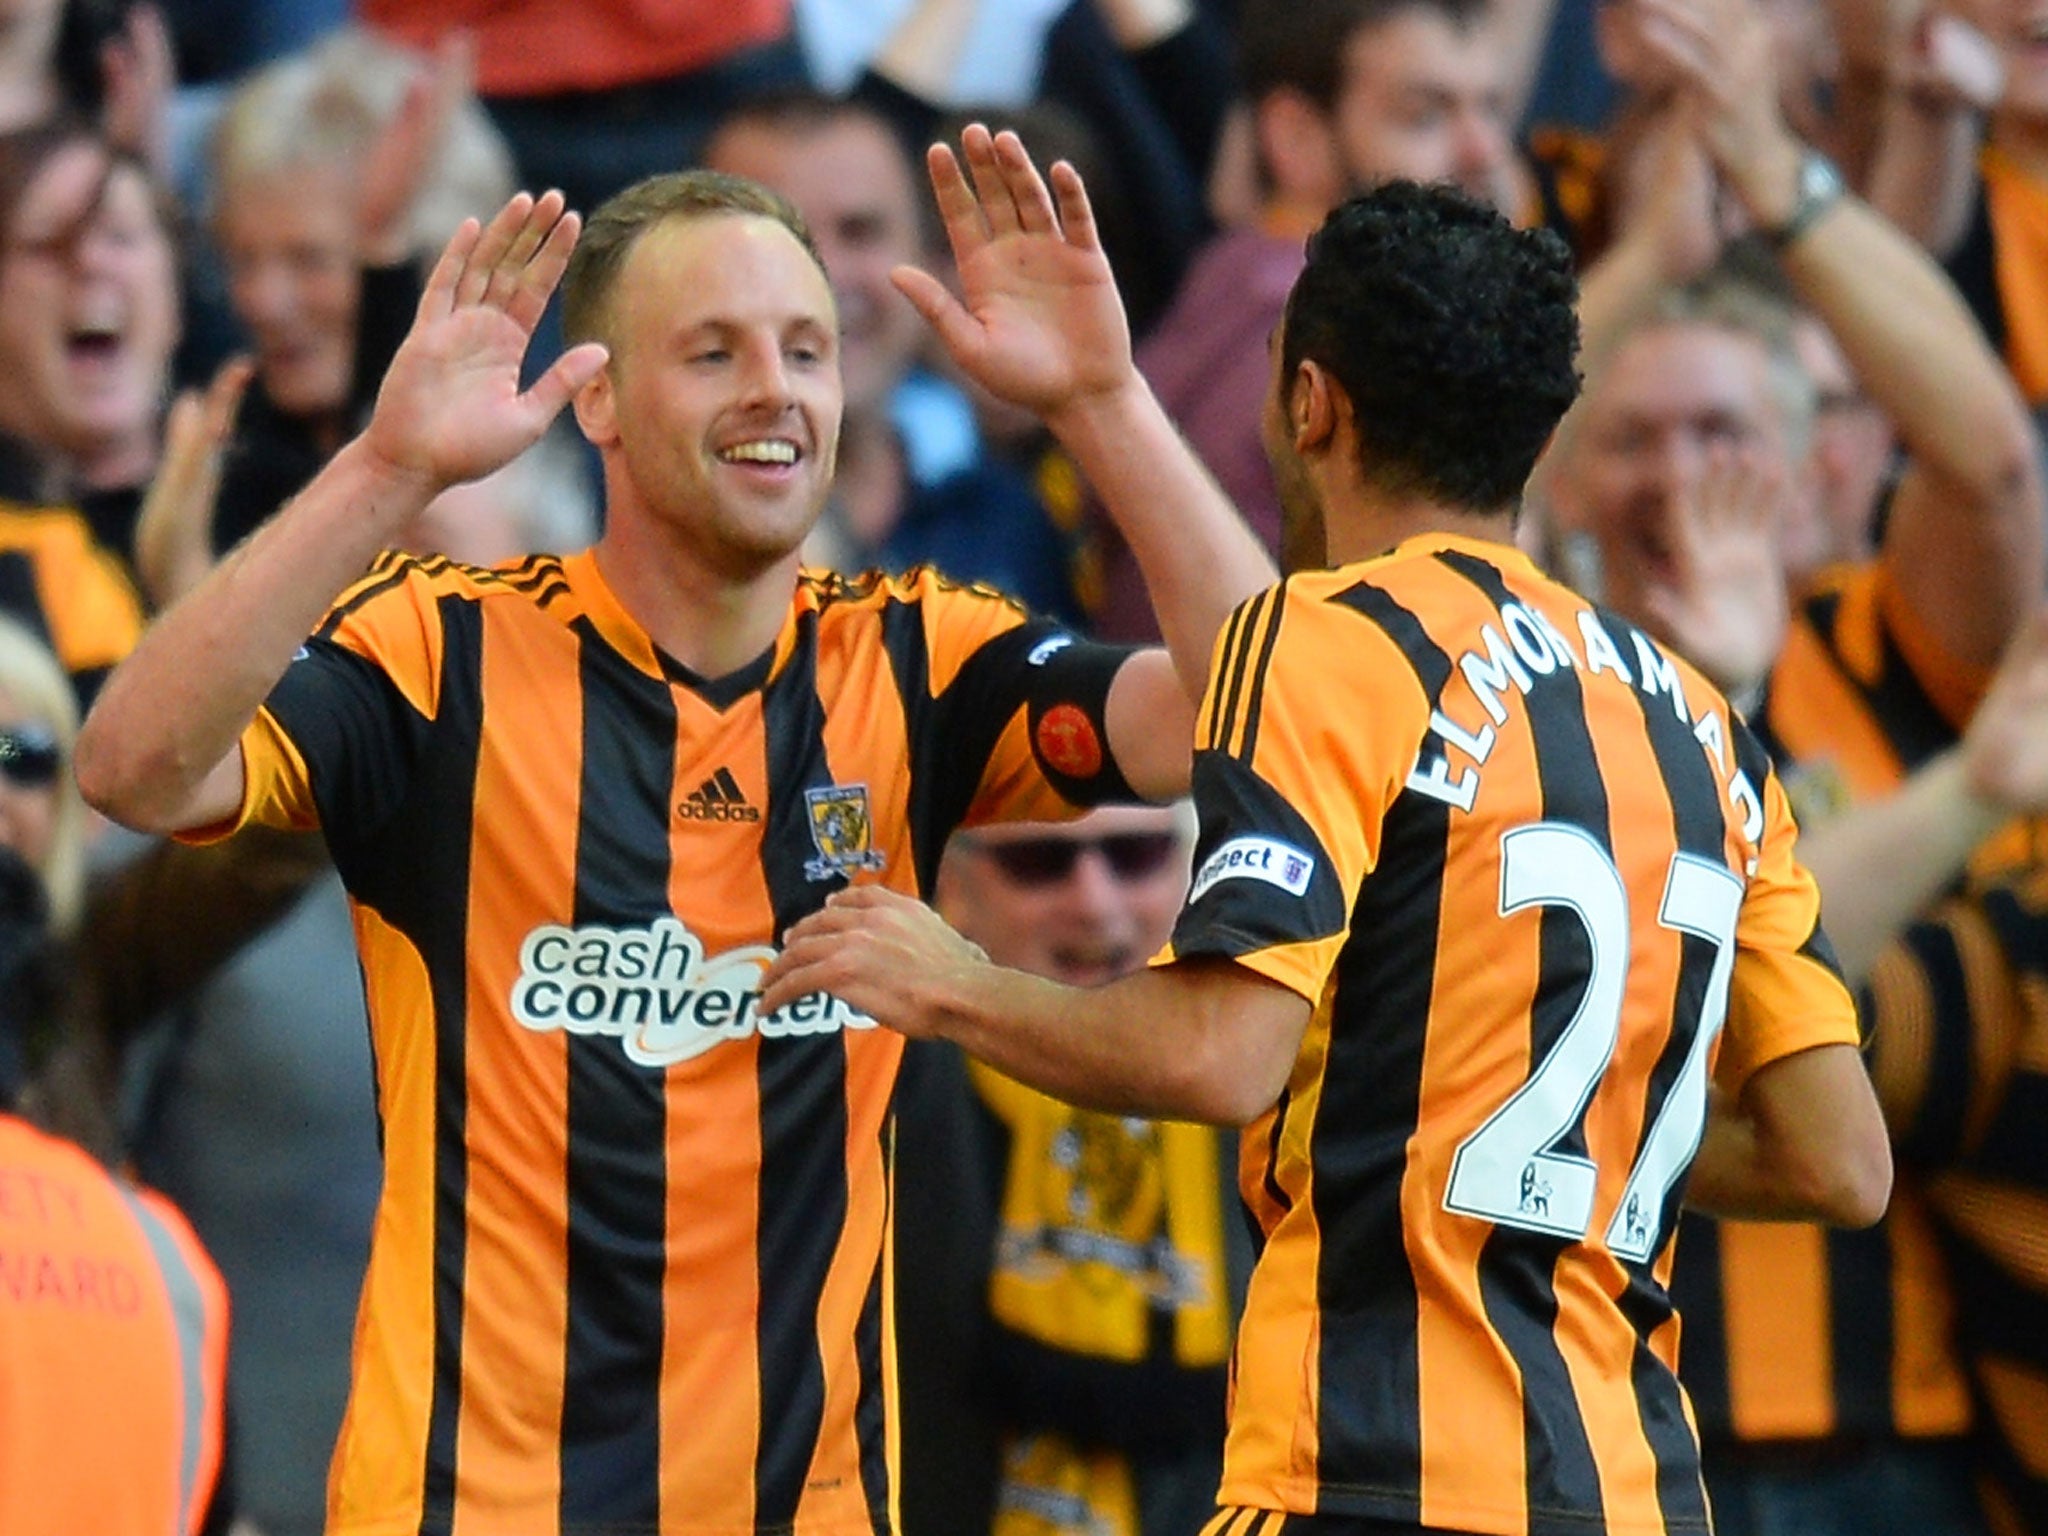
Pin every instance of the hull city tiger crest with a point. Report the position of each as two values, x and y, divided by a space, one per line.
840 830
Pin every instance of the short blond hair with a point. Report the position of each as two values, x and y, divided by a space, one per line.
619 223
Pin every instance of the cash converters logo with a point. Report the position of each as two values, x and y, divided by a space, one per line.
658 992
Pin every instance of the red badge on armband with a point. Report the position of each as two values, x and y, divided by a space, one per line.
1068 743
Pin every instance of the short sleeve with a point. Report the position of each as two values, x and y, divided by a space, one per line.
337 739
1019 708
1306 735
1786 992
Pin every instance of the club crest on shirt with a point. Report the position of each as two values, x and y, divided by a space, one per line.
841 831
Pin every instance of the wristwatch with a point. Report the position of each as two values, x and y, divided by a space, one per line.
1819 187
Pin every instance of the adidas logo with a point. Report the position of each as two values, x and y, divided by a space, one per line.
718 798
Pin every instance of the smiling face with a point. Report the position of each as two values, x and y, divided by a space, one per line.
291 246
855 190
88 314
1668 397
718 415
1082 915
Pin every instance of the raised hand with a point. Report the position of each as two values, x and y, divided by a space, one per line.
400 159
1725 610
174 531
1722 54
2005 749
139 73
450 408
1667 198
1039 322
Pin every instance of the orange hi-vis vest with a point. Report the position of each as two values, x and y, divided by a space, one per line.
113 1350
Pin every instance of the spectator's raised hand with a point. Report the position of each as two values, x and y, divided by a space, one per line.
1725 608
402 157
1721 51
139 72
451 408
1668 198
174 531
1039 322
2005 749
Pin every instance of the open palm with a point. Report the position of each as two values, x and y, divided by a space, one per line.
451 408
1039 322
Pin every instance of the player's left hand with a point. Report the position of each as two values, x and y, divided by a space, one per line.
887 954
1039 322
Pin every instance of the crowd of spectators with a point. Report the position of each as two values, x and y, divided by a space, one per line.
1812 243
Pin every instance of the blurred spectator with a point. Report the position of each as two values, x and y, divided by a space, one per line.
1823 1377
915 483
594 96
119 945
333 171
86 325
1344 94
88 317
1970 175
1119 1257
113 1321
1958 1018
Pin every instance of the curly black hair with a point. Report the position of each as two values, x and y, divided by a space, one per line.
1453 333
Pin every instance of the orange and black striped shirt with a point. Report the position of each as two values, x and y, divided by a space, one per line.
1797 1332
69 592
1524 865
1958 1017
627 1274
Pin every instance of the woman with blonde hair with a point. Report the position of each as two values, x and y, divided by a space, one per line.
41 816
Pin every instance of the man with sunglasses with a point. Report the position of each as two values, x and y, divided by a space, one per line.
1489 890
1109 1285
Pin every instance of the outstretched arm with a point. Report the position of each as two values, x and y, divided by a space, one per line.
1880 866
1039 324
1201 1040
161 748
1964 542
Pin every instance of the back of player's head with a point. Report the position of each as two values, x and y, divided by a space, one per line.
610 233
1300 44
1453 333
